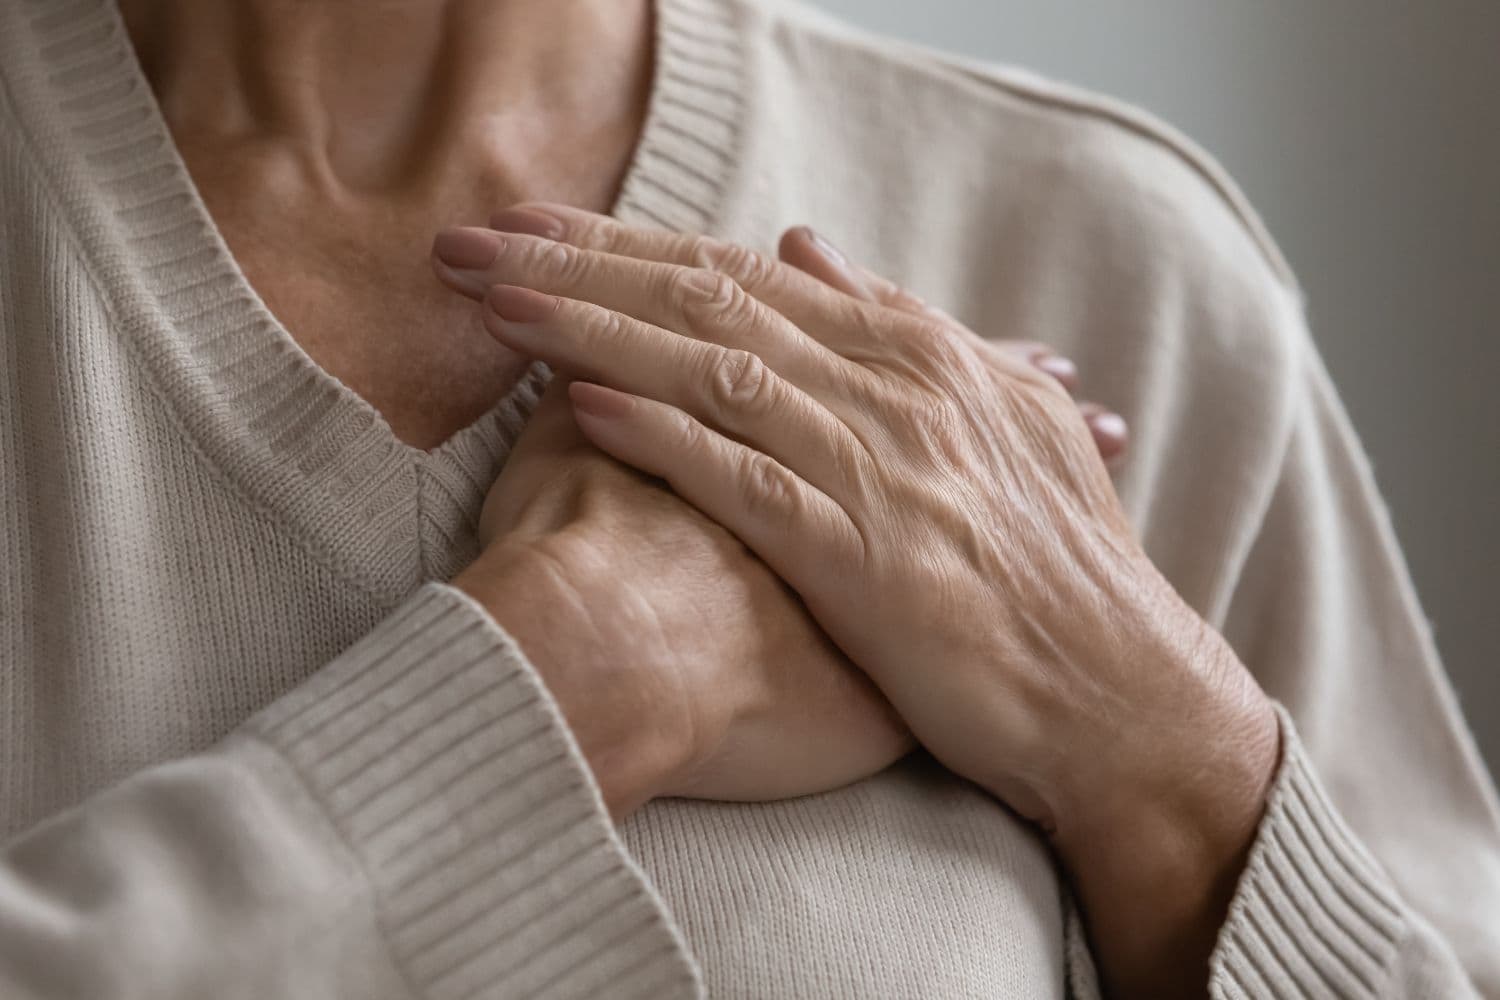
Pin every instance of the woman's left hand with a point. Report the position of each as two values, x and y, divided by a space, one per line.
943 511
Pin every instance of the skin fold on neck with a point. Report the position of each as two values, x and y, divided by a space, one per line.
330 139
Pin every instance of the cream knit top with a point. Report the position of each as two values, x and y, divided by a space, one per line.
252 746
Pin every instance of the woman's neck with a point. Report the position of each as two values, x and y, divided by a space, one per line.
330 139
399 96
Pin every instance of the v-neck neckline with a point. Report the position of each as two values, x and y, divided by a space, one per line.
288 432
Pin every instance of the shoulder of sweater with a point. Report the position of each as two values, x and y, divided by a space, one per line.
1059 141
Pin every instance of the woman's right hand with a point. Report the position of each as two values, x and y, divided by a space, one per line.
683 665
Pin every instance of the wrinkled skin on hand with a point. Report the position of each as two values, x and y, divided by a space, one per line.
942 510
682 663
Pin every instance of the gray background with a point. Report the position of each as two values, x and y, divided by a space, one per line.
1367 132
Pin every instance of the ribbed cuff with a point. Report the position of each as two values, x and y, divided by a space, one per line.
1314 915
447 767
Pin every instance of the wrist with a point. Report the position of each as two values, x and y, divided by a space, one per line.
1201 762
632 751
1156 839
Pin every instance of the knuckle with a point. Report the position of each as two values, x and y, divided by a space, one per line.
897 297
944 431
929 336
863 322
712 301
697 287
768 485
597 232
604 324
560 261
941 349
742 264
739 381
690 434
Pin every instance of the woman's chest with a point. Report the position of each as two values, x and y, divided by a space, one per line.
908 884
379 322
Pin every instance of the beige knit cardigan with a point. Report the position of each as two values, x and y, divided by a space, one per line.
251 744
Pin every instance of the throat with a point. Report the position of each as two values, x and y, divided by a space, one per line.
330 141
364 306
374 95
349 277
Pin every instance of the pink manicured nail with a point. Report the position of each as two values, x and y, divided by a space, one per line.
1110 424
467 248
824 247
850 279
1058 367
531 221
1109 427
515 304
599 401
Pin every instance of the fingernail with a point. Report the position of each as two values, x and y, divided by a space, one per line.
1110 424
827 249
467 248
852 280
1057 366
531 221
515 304
599 401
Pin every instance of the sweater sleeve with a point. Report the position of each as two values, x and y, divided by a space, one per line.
415 820
1375 871
1315 915
1325 615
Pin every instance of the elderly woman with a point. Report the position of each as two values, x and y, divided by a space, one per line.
794 641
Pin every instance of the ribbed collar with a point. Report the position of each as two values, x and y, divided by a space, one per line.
307 451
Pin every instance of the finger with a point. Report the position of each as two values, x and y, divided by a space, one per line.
732 390
778 515
810 267
807 250
1041 357
593 231
550 429
820 309
813 253
1109 429
551 435
1057 366
691 301
803 248
550 424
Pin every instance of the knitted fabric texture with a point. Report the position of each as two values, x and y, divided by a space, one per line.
251 744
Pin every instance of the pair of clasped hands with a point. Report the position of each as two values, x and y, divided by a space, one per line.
777 519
